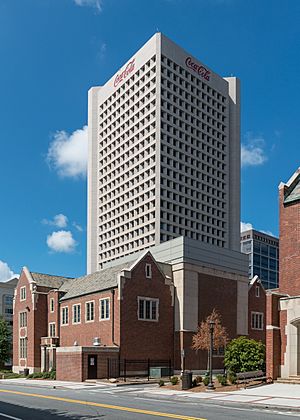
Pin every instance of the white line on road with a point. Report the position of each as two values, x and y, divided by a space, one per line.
9 417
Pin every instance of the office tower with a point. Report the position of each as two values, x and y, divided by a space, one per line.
263 251
164 155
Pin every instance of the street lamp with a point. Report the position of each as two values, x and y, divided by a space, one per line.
210 386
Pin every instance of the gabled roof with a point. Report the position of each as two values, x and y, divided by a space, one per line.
95 282
293 194
292 188
47 280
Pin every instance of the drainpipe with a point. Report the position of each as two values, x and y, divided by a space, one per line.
113 317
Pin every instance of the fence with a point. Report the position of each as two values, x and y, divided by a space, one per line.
126 368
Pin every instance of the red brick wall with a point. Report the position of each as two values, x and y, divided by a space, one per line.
73 366
275 335
146 339
85 332
36 324
289 245
257 304
69 367
53 316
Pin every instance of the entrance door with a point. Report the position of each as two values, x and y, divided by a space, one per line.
92 367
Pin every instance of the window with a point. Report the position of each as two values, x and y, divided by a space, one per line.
257 291
23 319
148 271
257 321
76 314
51 305
23 293
65 315
23 348
52 329
147 309
104 308
90 311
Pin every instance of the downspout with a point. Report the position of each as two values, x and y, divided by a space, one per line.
113 317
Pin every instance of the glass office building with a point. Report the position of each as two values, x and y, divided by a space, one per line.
263 252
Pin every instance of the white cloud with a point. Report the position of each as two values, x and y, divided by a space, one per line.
67 153
78 227
5 272
246 226
252 152
61 241
60 220
91 3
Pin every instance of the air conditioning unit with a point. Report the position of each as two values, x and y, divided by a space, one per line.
96 341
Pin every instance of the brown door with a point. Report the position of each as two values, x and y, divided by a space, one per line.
92 366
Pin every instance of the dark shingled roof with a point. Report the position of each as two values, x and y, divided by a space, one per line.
293 193
95 282
47 280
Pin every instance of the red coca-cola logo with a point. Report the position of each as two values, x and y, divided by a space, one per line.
197 68
122 76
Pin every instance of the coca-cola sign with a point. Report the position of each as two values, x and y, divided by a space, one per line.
197 68
122 76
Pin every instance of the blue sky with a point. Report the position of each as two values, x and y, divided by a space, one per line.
53 51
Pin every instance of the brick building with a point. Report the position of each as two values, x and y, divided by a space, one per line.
283 304
139 309
75 325
257 310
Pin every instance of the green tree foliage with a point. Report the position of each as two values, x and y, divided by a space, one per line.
5 343
244 355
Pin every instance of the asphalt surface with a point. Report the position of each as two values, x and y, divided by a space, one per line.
35 403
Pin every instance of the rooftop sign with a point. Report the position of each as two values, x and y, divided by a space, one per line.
122 76
198 68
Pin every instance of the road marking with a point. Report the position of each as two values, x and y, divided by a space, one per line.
108 406
9 417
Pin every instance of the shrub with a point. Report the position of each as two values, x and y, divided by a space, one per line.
222 380
46 375
198 379
53 374
231 377
206 380
174 380
194 383
243 355
30 376
37 375
161 382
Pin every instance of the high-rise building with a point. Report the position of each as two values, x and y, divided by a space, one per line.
263 252
164 155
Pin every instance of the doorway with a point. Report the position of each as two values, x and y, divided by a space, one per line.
92 366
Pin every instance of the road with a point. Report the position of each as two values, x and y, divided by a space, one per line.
36 403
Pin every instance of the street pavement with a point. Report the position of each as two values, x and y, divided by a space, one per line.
39 400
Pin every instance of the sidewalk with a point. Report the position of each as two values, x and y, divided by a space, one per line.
49 384
281 396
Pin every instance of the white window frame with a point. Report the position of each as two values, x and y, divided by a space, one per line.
86 311
257 291
76 322
62 315
143 298
22 324
107 299
51 305
148 271
23 349
254 320
23 293
50 326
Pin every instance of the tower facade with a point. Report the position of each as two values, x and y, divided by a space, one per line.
164 155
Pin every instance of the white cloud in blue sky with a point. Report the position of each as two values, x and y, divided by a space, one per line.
59 220
253 151
61 241
67 153
97 4
246 226
5 272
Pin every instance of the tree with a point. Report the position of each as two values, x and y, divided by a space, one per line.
201 340
5 341
245 355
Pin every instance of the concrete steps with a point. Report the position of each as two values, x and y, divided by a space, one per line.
291 380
